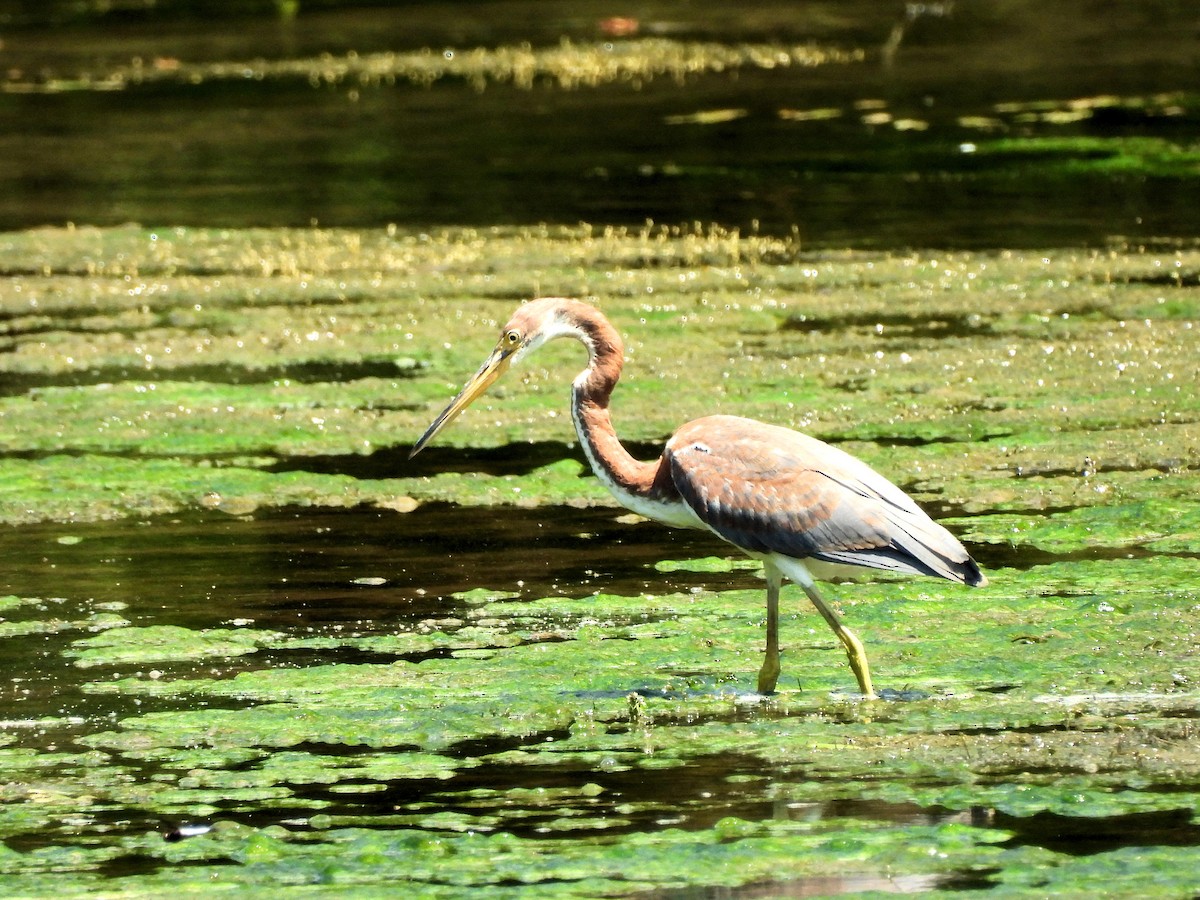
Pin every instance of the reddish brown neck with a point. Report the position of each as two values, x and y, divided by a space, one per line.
589 407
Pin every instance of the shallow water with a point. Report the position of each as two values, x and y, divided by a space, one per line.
246 643
249 641
929 125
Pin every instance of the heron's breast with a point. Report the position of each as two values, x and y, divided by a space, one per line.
670 512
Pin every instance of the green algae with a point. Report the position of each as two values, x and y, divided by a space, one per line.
160 643
437 866
32 621
1143 156
1159 524
1012 709
686 665
503 741
1069 362
568 65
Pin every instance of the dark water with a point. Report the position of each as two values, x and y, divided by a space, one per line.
305 572
293 569
280 152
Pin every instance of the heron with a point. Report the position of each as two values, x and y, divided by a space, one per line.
800 506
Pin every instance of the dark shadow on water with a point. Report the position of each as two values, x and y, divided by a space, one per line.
303 372
1086 835
895 325
390 462
1180 278
700 792
517 458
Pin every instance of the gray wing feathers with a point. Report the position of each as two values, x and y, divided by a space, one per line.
772 490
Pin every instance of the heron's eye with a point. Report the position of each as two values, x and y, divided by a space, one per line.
512 338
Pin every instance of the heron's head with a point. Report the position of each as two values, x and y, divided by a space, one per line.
531 325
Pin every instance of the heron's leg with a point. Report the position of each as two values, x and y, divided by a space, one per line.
854 647
769 673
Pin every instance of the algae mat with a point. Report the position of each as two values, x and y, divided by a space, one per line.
246 644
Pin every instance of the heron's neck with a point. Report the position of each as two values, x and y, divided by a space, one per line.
612 463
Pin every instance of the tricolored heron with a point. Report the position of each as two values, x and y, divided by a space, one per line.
780 496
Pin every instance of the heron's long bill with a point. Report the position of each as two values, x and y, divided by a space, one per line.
493 367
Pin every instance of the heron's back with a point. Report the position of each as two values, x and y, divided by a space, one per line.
771 490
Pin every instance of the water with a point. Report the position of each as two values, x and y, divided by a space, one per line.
297 569
276 151
495 698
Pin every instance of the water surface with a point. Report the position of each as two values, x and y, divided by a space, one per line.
245 643
894 139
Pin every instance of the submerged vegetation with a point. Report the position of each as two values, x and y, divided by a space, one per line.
248 645
157 371
561 730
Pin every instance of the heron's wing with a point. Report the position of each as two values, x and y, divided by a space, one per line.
773 490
